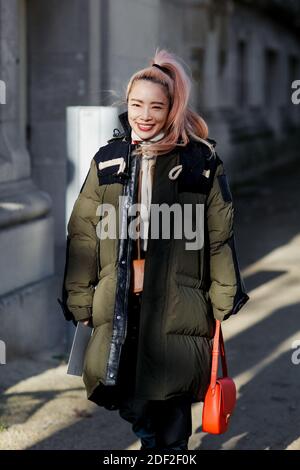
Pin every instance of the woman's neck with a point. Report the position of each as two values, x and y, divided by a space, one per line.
136 137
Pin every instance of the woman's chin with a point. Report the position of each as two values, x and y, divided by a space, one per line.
145 135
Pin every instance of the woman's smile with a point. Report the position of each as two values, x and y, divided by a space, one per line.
145 127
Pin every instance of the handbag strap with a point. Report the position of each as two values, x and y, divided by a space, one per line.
218 348
139 217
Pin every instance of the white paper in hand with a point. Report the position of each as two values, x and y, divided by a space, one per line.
80 342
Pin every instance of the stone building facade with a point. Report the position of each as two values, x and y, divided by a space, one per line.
243 56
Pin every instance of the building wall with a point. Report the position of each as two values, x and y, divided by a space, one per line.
58 76
26 224
261 119
82 52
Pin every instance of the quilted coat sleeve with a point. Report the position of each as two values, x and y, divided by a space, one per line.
227 291
82 267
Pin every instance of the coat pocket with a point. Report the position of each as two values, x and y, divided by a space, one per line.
190 310
188 281
193 307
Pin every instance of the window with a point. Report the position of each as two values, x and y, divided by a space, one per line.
271 77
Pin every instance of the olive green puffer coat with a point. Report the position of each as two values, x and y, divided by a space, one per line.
184 290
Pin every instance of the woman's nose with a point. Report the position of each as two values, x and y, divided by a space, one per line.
146 114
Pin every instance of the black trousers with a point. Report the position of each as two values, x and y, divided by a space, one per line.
159 424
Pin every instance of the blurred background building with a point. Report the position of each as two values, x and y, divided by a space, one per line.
243 55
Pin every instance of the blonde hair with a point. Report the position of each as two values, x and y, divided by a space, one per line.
182 122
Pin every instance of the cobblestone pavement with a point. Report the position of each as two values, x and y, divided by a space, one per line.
43 408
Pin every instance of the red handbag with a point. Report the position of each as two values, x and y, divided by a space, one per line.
220 397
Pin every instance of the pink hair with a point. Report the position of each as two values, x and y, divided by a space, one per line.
182 123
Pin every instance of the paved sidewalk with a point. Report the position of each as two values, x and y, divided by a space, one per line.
43 408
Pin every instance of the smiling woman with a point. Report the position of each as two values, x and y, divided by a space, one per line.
148 108
158 99
153 298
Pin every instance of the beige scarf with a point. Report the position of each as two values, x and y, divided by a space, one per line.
147 173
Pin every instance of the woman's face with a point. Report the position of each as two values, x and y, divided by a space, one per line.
148 108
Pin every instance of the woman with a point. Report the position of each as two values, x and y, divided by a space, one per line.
150 352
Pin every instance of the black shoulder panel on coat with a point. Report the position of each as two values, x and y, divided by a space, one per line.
211 141
112 162
199 167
